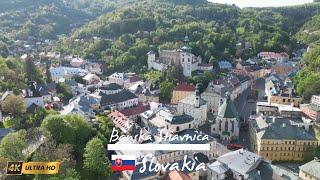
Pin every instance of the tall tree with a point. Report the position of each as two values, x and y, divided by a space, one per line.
49 151
165 91
56 127
14 104
175 74
95 160
12 145
82 130
32 73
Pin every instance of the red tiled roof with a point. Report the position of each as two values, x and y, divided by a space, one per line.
136 110
134 79
176 175
185 87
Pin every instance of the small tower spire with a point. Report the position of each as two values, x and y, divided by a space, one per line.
197 96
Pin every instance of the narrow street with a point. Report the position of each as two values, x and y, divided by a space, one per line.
246 108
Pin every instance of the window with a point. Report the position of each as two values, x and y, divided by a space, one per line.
226 126
189 126
177 128
283 100
232 126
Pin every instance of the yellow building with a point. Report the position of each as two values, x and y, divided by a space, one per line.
287 100
279 140
181 91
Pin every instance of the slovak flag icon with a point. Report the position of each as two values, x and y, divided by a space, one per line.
123 162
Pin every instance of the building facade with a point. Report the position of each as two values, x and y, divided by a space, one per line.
194 106
181 91
180 58
312 110
278 139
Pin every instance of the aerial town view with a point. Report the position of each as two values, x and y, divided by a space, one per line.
159 89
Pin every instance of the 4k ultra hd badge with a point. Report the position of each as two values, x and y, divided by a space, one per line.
19 168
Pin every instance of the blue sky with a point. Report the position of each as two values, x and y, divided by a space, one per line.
262 3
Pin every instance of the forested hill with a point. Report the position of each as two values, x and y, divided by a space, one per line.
49 18
307 80
129 32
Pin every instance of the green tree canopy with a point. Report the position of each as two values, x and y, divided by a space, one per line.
166 89
95 160
12 145
14 105
82 130
58 129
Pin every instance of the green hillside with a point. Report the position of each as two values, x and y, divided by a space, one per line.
127 33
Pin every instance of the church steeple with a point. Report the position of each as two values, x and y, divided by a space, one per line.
186 47
186 40
227 109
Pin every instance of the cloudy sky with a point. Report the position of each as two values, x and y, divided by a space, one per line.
262 3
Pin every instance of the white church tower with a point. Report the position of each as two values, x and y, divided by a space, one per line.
151 59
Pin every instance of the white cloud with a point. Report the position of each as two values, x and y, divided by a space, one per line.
262 3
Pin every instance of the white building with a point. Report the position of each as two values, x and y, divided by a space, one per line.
194 106
240 164
181 57
36 95
77 62
280 57
213 97
91 79
65 73
118 78
315 99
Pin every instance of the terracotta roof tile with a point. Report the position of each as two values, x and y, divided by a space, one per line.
185 87
136 110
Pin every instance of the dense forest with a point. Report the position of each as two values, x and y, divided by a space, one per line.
307 80
121 38
49 18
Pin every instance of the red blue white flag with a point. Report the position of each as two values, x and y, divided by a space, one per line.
123 162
